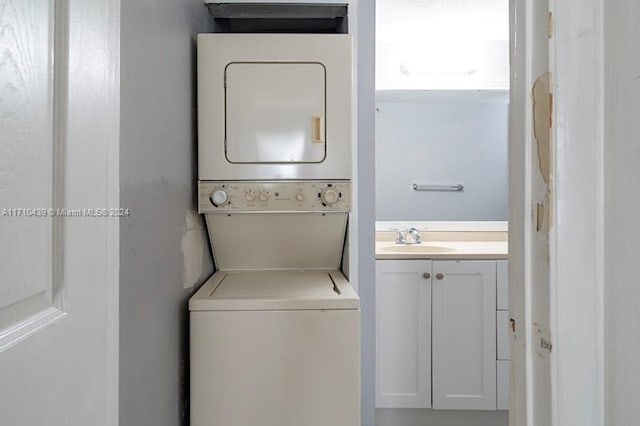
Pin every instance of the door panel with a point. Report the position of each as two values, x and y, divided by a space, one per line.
59 130
26 163
403 334
464 335
275 112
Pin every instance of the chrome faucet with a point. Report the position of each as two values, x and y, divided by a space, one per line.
408 236
413 237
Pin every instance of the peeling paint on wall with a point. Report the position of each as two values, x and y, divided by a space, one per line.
193 249
542 109
542 123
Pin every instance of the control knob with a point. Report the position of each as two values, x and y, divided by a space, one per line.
219 197
264 197
330 196
300 196
250 196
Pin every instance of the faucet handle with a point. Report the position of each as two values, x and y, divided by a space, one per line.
399 236
415 234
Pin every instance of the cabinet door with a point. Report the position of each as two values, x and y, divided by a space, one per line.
403 333
464 335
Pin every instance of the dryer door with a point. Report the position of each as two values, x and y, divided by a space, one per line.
275 112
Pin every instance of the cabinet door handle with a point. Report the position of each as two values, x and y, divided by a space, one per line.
426 275
439 276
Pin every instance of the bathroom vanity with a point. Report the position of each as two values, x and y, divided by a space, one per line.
442 321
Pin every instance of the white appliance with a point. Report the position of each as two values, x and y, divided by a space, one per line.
274 106
277 348
275 333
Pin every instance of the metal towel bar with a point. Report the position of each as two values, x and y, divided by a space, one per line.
423 187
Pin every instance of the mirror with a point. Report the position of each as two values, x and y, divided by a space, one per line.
442 78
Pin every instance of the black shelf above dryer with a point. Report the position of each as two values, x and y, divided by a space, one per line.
292 18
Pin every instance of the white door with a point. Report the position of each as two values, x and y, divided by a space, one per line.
464 335
403 333
58 275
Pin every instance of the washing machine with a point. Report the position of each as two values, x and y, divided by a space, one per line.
275 348
275 332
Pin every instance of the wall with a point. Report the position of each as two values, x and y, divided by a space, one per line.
442 137
364 181
622 204
163 251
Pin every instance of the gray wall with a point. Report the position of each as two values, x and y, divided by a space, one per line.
442 137
364 179
163 251
622 205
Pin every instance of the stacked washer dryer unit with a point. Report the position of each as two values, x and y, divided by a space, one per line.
275 332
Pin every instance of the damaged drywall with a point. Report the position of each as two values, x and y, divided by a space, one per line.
193 249
542 123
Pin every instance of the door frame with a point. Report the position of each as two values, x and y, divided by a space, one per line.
576 247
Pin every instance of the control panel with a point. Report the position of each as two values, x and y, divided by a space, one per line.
245 196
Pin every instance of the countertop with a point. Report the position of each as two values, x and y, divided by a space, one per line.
444 245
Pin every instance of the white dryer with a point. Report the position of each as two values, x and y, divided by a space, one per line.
274 106
277 348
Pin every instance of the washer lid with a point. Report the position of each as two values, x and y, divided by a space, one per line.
275 290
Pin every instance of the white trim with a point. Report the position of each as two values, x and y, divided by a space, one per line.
523 28
483 226
60 68
353 228
529 78
29 327
578 257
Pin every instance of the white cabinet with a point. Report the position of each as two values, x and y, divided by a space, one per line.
442 334
464 335
502 334
403 333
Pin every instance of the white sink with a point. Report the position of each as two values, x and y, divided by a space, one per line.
417 248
